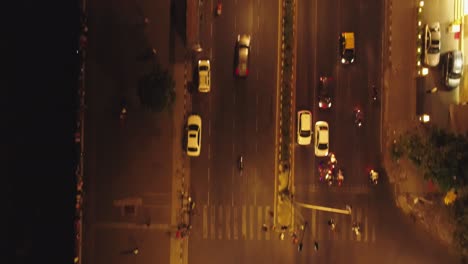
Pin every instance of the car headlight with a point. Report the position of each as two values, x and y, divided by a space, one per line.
329 104
352 60
320 104
343 60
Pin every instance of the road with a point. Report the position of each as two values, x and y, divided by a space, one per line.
238 119
388 236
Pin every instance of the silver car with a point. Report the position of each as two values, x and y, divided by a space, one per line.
453 68
432 44
242 55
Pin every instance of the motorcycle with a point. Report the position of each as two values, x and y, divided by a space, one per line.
358 117
241 163
340 177
373 176
219 8
374 93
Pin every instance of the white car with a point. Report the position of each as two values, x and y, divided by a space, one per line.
204 72
321 139
194 129
304 127
432 44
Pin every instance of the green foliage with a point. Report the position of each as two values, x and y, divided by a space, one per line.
442 156
156 90
461 217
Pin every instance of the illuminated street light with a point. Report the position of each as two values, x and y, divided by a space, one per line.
424 71
421 3
424 118
419 23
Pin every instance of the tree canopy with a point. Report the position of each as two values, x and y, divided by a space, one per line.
156 90
442 156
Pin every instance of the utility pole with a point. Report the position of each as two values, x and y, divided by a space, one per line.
323 208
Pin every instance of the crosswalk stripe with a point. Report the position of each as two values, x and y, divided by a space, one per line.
220 221
212 223
251 222
244 222
259 222
205 222
236 224
228 223
270 223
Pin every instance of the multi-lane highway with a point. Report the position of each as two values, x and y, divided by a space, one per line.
239 119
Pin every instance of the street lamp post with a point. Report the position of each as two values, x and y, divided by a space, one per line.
299 247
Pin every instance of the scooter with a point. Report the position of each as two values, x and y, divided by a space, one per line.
219 8
358 117
373 176
374 93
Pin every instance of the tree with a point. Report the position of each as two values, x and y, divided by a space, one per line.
441 156
157 90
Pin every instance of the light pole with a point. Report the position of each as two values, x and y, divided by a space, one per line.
299 247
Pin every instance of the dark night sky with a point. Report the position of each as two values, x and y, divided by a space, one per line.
41 87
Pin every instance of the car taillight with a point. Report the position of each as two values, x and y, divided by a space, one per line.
237 71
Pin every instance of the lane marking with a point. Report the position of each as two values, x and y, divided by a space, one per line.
209 127
255 186
251 222
259 223
236 223
205 222
212 222
228 223
208 198
269 223
244 222
220 222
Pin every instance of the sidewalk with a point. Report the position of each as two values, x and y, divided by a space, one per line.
415 196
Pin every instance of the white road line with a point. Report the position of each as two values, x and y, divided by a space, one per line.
251 222
208 198
209 151
212 222
259 223
211 30
244 222
373 234
205 222
258 22
228 223
366 229
236 224
220 222
268 222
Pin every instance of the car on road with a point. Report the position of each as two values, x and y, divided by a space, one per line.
453 68
242 55
194 130
432 44
324 93
347 49
321 139
204 78
304 127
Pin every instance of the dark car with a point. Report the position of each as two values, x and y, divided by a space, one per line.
324 93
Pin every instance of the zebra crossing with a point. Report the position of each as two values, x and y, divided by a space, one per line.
225 222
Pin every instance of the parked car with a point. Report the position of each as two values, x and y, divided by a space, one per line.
304 127
321 139
324 93
432 44
204 78
194 130
453 68
347 49
242 55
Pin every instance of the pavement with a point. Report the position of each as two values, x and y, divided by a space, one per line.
415 196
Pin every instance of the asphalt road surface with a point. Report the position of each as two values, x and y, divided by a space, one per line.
238 119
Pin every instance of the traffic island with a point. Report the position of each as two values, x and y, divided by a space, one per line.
284 146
